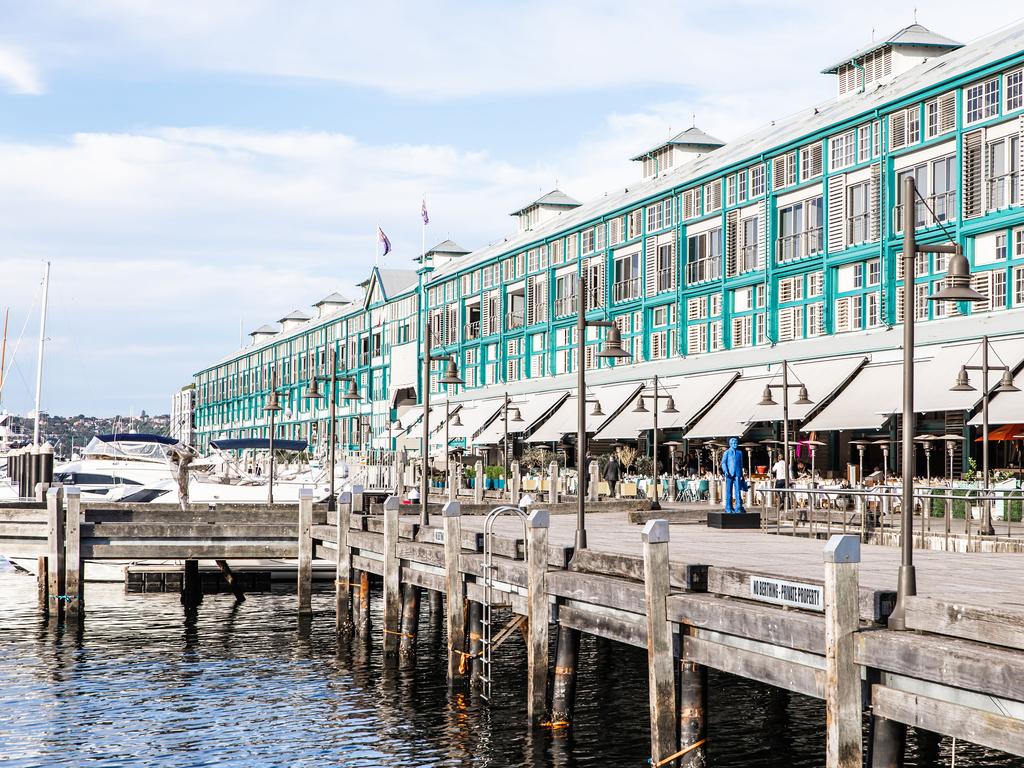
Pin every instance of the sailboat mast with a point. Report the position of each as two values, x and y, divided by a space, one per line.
3 355
39 359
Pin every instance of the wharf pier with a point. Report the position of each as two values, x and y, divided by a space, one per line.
800 614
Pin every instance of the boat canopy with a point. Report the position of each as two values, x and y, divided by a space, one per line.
130 447
259 443
136 437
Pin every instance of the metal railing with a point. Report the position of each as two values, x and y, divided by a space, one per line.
799 245
1002 191
565 306
748 258
702 270
943 203
514 320
625 290
472 330
664 280
858 228
942 511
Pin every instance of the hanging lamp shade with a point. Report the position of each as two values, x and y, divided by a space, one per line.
456 421
1006 383
670 405
963 382
451 374
597 409
514 415
612 347
352 393
958 282
272 406
766 396
640 406
313 390
802 399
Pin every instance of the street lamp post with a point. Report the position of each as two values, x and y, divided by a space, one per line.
670 407
612 349
508 409
957 288
963 384
802 399
451 376
272 408
313 393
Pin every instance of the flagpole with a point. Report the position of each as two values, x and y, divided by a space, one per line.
376 246
423 238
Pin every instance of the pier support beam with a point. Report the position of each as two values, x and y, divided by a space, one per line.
537 616
305 570
343 567
357 500
476 643
553 482
927 747
191 585
888 743
478 483
55 551
455 591
410 625
842 674
233 583
73 581
363 623
563 691
515 482
693 717
660 673
392 593
42 586
593 483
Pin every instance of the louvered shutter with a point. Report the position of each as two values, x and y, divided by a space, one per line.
786 324
982 283
731 267
570 246
972 185
901 303
615 231
531 301
875 212
762 233
485 315
898 130
947 112
836 212
842 319
673 254
1020 159
741 243
779 172
650 266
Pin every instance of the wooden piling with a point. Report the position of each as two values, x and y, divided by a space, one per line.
693 709
475 634
191 585
364 623
660 673
454 590
410 625
304 573
478 483
593 486
357 500
842 674
232 581
553 482
343 567
55 551
42 586
888 743
73 581
538 614
927 746
563 689
515 482
392 594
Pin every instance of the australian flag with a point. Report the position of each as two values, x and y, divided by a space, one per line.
384 240
423 213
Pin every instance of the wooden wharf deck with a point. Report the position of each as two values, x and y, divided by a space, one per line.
695 598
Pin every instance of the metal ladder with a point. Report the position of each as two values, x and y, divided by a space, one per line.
488 641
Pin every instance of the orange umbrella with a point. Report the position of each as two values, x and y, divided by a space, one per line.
1004 432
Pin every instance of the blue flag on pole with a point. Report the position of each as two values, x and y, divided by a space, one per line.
384 239
423 213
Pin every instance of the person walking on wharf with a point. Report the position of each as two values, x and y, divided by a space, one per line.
612 472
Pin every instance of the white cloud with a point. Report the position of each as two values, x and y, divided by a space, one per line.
17 74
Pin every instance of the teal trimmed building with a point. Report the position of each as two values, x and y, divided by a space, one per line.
781 244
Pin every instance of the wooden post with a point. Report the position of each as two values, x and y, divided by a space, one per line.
357 500
364 605
455 590
553 482
400 462
191 585
693 708
537 615
563 689
476 643
305 569
73 552
660 672
233 583
478 483
410 625
453 480
42 588
842 674
888 743
343 567
41 490
593 489
392 595
516 481
55 550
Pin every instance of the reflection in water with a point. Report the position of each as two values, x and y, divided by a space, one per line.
251 684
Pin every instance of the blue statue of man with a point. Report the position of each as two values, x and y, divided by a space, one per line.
732 468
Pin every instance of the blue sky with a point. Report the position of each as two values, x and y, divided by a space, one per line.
190 166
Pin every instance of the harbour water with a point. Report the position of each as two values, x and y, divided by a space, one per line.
142 684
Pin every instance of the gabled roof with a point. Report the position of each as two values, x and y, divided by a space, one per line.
691 137
297 314
264 330
445 248
556 198
333 298
392 282
915 36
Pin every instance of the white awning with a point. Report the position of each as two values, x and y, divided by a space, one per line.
532 408
474 414
403 372
690 393
563 420
740 406
931 390
867 402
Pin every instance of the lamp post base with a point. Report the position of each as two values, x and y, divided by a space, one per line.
907 587
655 505
581 538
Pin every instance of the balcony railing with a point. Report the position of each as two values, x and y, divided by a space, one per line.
625 290
565 305
1002 191
748 258
943 203
514 319
664 280
364 358
799 245
593 296
703 270
857 228
472 330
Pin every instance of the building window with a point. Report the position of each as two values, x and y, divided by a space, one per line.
730 190
742 178
844 147
665 267
1001 247
858 198
1003 166
748 245
704 256
982 100
810 161
858 275
815 284
757 181
874 272
864 148
659 215
800 230
627 277
936 183
1018 242
565 294
1018 286
1015 90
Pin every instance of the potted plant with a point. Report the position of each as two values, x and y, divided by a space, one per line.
494 477
470 475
